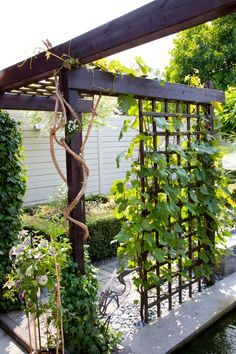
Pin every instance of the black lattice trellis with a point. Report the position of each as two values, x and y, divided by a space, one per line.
197 126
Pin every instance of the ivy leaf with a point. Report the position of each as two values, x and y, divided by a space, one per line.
118 158
177 122
159 159
177 149
118 186
145 69
172 192
161 122
146 225
178 228
193 195
170 238
191 207
124 128
122 236
167 274
203 257
125 102
135 142
149 238
159 254
182 174
203 189
200 175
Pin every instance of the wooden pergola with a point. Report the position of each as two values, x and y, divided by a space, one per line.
30 87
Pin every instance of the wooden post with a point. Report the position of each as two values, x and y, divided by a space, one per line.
74 177
211 233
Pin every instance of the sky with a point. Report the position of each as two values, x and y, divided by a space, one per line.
25 23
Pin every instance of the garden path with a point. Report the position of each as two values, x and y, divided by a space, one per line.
8 346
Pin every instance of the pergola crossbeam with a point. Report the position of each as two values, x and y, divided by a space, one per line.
37 103
96 81
155 20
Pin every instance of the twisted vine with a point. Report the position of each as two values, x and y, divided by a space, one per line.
59 124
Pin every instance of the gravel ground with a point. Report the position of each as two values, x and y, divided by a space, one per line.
126 318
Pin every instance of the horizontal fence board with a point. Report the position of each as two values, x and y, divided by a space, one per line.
41 159
41 172
100 153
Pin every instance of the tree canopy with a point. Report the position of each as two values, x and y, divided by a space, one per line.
209 48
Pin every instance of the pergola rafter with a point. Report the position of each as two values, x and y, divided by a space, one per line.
155 20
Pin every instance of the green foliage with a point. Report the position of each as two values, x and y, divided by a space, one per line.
34 272
84 331
12 189
102 231
227 115
140 68
100 220
210 48
33 276
181 193
101 198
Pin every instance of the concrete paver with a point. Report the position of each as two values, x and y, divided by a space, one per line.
185 322
8 346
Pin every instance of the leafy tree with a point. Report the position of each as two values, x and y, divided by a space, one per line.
210 48
228 116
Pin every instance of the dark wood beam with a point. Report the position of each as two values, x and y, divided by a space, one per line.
155 20
37 103
97 81
74 177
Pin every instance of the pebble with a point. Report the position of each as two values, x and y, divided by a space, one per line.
126 319
125 316
116 325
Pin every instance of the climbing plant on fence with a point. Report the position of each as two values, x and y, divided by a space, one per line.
12 189
172 201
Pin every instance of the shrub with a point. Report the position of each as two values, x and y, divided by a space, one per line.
102 231
12 189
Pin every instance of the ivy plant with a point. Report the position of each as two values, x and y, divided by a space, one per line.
12 189
84 330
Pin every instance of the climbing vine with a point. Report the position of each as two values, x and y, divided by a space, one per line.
12 189
162 190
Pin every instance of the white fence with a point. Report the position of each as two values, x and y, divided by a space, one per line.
101 151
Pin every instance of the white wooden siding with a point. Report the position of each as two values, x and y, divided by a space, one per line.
100 153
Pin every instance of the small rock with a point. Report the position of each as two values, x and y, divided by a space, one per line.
118 312
116 325
125 316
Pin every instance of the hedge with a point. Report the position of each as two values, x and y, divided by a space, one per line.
12 189
102 231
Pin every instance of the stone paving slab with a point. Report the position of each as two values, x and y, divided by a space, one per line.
8 346
179 326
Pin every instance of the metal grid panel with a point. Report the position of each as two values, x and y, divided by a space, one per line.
198 123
